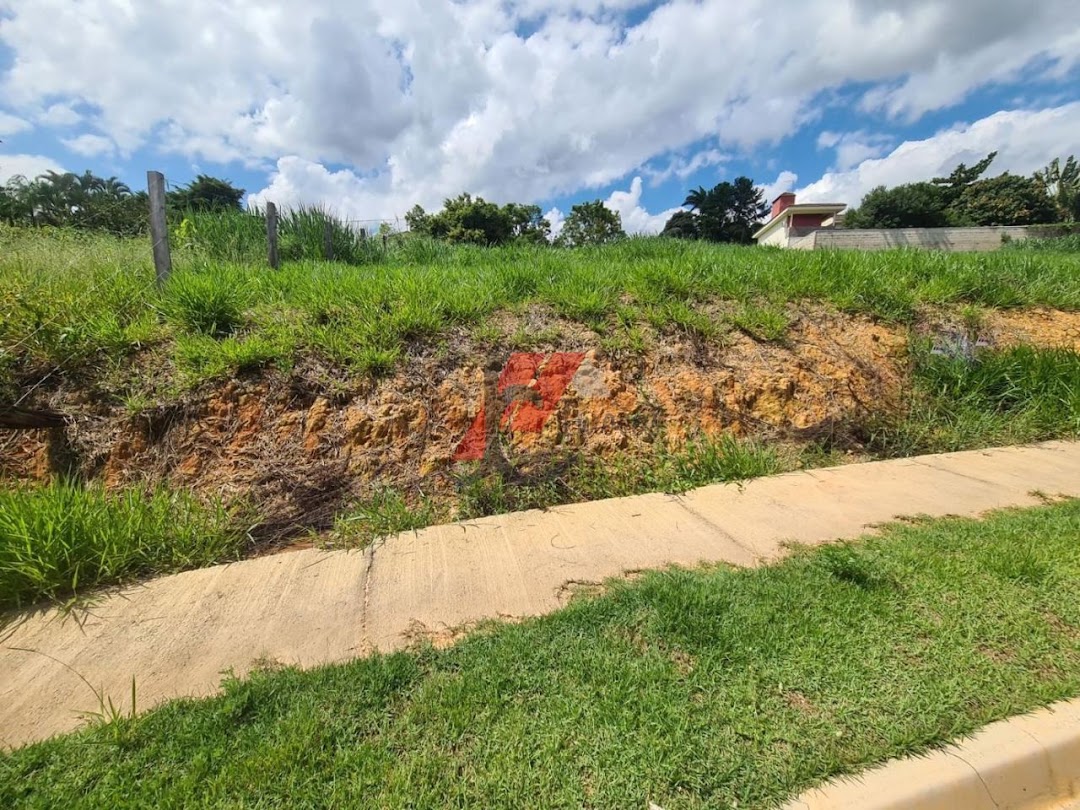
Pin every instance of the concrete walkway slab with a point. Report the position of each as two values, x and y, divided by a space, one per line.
176 634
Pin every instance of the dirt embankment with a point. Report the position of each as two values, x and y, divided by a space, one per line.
300 446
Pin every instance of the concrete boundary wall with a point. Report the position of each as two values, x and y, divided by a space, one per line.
952 239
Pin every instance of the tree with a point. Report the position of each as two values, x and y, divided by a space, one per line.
728 212
591 223
681 225
527 223
475 220
1006 200
1062 185
912 205
206 193
962 177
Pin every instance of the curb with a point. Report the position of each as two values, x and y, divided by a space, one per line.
1022 763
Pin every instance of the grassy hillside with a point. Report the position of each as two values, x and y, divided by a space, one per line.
82 304
331 396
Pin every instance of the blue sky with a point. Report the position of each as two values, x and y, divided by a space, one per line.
370 106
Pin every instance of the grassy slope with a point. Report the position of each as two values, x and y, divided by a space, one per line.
85 303
687 688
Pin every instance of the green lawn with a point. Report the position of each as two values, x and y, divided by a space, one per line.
700 688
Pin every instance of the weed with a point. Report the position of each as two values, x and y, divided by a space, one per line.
383 514
206 303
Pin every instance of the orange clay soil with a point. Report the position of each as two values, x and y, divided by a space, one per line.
301 444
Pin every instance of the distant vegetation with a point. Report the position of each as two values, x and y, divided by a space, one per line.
729 212
965 198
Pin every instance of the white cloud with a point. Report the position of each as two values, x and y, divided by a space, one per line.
1025 140
557 220
635 219
683 167
10 124
422 99
852 148
89 144
28 166
785 181
59 115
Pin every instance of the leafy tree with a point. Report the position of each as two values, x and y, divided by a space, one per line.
475 220
206 193
527 223
728 212
1006 200
681 225
912 205
1062 184
591 223
953 186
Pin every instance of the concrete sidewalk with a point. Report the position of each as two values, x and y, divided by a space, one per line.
176 634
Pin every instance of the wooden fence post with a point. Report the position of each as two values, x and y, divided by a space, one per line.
328 241
159 227
363 233
271 235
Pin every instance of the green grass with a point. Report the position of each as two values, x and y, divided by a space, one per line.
80 302
706 688
1069 243
984 398
60 540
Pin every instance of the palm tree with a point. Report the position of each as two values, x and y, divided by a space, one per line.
697 198
1062 183
115 187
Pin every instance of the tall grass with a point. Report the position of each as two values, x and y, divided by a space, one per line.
72 302
240 236
61 539
1000 397
1070 243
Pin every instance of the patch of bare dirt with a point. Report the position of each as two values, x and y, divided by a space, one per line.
1040 327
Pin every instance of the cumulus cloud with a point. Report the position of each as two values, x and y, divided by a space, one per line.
785 181
11 124
1024 139
89 144
59 115
635 219
852 148
421 99
28 166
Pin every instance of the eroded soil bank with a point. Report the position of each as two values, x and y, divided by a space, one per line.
303 444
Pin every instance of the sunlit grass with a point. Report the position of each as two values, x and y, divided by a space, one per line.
686 688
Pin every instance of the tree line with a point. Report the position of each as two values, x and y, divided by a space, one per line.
729 212
966 198
88 202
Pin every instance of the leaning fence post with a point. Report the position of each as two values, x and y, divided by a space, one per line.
271 235
328 241
159 227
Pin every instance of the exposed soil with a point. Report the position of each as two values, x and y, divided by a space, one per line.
299 446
